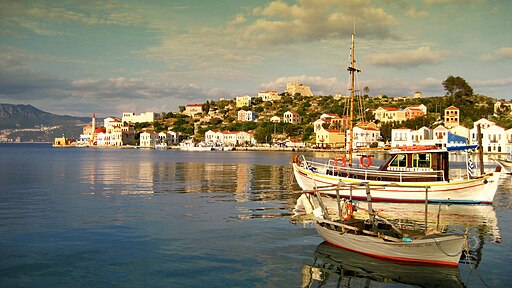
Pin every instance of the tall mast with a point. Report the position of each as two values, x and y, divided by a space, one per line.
352 70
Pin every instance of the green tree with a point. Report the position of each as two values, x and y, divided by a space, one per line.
457 88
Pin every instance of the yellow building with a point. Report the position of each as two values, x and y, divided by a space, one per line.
243 101
62 141
330 138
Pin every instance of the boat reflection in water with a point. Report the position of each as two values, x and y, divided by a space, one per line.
343 268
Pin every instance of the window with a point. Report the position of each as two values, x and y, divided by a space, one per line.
400 161
422 160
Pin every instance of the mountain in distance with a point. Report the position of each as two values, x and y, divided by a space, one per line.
25 123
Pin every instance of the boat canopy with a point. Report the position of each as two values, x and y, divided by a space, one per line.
461 148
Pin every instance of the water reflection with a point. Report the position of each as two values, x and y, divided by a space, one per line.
262 190
341 268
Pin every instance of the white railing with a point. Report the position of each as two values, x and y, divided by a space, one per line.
372 172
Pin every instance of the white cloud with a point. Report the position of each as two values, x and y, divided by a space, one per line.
309 20
503 53
407 58
413 13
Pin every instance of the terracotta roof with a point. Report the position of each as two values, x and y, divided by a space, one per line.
190 105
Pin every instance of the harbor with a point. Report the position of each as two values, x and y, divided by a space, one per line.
136 217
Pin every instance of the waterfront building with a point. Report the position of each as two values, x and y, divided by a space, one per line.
293 88
365 134
173 138
229 138
330 138
422 136
440 134
245 138
460 131
292 117
148 139
494 137
401 137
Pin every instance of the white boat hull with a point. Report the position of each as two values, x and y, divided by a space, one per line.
440 250
471 191
196 148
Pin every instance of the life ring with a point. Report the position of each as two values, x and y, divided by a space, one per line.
347 210
338 159
365 161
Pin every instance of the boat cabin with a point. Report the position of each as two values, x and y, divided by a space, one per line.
419 160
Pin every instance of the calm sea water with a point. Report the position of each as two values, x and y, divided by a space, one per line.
149 218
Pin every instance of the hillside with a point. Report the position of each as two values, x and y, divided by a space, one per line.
25 123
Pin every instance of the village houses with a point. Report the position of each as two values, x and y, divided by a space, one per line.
292 117
229 138
394 114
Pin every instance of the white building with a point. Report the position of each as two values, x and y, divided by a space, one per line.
173 138
401 137
148 139
111 121
292 117
494 138
364 136
245 138
246 115
141 118
230 138
269 95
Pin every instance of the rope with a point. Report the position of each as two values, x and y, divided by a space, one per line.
468 257
444 252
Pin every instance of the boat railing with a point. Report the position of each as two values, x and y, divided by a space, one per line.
367 187
372 173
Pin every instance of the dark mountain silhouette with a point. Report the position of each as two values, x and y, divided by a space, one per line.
26 123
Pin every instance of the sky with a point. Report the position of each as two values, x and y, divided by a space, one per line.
109 57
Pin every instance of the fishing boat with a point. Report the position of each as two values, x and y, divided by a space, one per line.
406 176
341 268
454 217
378 237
